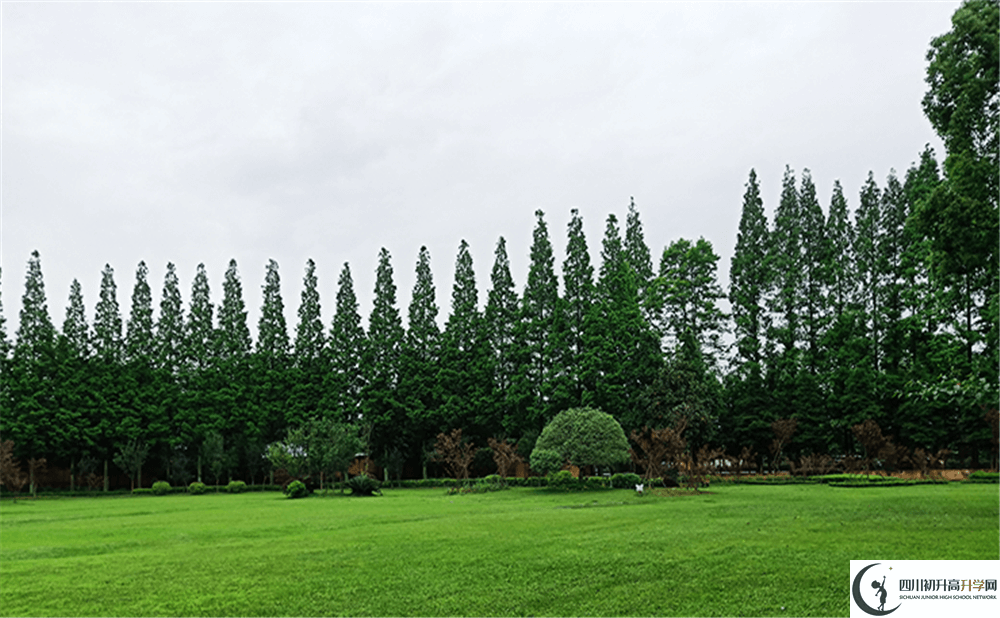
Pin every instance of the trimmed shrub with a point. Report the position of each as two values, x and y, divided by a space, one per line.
546 460
363 485
196 488
161 488
562 480
984 477
296 489
143 490
236 487
626 480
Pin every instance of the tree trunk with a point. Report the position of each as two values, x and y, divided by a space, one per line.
139 475
31 479
106 474
199 468
71 469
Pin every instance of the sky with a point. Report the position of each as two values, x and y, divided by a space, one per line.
203 132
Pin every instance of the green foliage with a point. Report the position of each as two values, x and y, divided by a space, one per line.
296 489
562 480
546 460
363 485
161 488
980 476
236 487
627 480
196 488
145 491
584 437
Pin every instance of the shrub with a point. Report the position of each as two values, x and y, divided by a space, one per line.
236 487
363 485
161 488
984 477
142 490
196 488
296 489
562 480
545 460
626 480
584 436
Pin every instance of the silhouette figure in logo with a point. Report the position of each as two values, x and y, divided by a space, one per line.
881 593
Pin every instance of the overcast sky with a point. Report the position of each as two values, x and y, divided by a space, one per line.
188 133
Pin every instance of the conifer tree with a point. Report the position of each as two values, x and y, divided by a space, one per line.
421 355
309 340
35 333
140 344
272 333
578 297
690 293
622 351
747 421
347 350
199 343
232 364
866 241
310 359
501 318
638 256
170 324
537 330
382 411
108 319
813 306
234 334
4 341
271 359
464 371
75 331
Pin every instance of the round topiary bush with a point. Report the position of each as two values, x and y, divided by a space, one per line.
161 488
582 437
296 489
627 480
236 487
196 488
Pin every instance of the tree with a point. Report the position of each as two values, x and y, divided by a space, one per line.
537 334
346 378
960 216
12 476
421 356
687 292
504 455
381 406
213 452
583 437
310 359
578 298
749 282
108 319
501 323
232 364
464 374
130 458
75 330
271 358
456 453
622 351
35 333
292 454
332 447
199 331
170 324
638 257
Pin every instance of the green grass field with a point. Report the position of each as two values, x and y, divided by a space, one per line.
740 550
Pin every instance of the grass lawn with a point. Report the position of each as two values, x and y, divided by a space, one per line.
740 550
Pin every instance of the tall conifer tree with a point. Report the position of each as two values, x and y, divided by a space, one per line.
75 331
140 344
578 297
420 358
382 410
347 351
501 318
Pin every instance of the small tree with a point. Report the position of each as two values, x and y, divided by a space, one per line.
11 475
35 467
293 454
505 455
456 454
213 452
869 434
130 458
332 447
584 437
783 430
660 450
